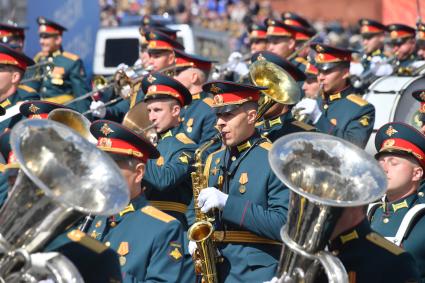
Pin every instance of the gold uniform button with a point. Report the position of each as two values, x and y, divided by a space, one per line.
386 220
233 158
421 194
108 244
113 224
335 252
242 189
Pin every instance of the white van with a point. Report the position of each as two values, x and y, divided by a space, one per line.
121 45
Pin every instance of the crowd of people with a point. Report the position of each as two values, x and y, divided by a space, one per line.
200 155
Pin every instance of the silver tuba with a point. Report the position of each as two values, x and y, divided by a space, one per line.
62 177
325 174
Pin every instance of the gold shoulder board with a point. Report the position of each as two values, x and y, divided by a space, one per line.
357 100
158 214
259 123
86 241
303 125
71 56
301 60
266 145
183 138
26 88
38 56
384 243
209 101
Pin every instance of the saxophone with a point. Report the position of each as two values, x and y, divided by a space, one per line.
201 232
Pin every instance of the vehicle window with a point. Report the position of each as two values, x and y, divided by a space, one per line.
114 54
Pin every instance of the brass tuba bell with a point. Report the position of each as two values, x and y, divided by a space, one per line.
281 87
62 177
325 174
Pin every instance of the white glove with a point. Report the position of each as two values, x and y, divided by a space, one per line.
235 57
273 280
309 107
98 109
211 198
192 247
356 69
122 66
379 67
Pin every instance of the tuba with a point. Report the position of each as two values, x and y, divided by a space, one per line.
325 174
281 87
62 177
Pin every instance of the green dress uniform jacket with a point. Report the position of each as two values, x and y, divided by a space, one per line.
149 242
404 67
367 58
94 260
285 124
348 116
248 227
368 257
167 179
387 218
199 121
66 81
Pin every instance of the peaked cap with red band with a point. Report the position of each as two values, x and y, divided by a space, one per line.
368 26
38 109
8 30
419 95
49 27
115 138
294 19
12 57
311 71
158 86
328 57
399 32
278 28
401 138
257 31
7 153
158 41
184 60
229 95
295 73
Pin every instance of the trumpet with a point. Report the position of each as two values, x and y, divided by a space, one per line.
127 87
37 72
120 81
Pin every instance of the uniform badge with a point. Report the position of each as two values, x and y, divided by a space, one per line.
394 34
105 142
389 143
220 180
151 79
261 57
152 89
214 88
218 99
319 48
333 121
123 249
364 121
214 171
98 224
189 125
33 108
160 161
184 157
217 160
94 234
391 131
422 96
243 180
43 28
106 130
175 252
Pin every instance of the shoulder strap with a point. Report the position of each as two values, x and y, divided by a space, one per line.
406 223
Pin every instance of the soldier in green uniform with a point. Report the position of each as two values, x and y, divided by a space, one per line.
400 215
67 80
311 86
278 120
148 241
373 62
198 118
251 202
167 177
402 39
281 40
257 35
13 65
161 56
341 112
12 35
304 32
